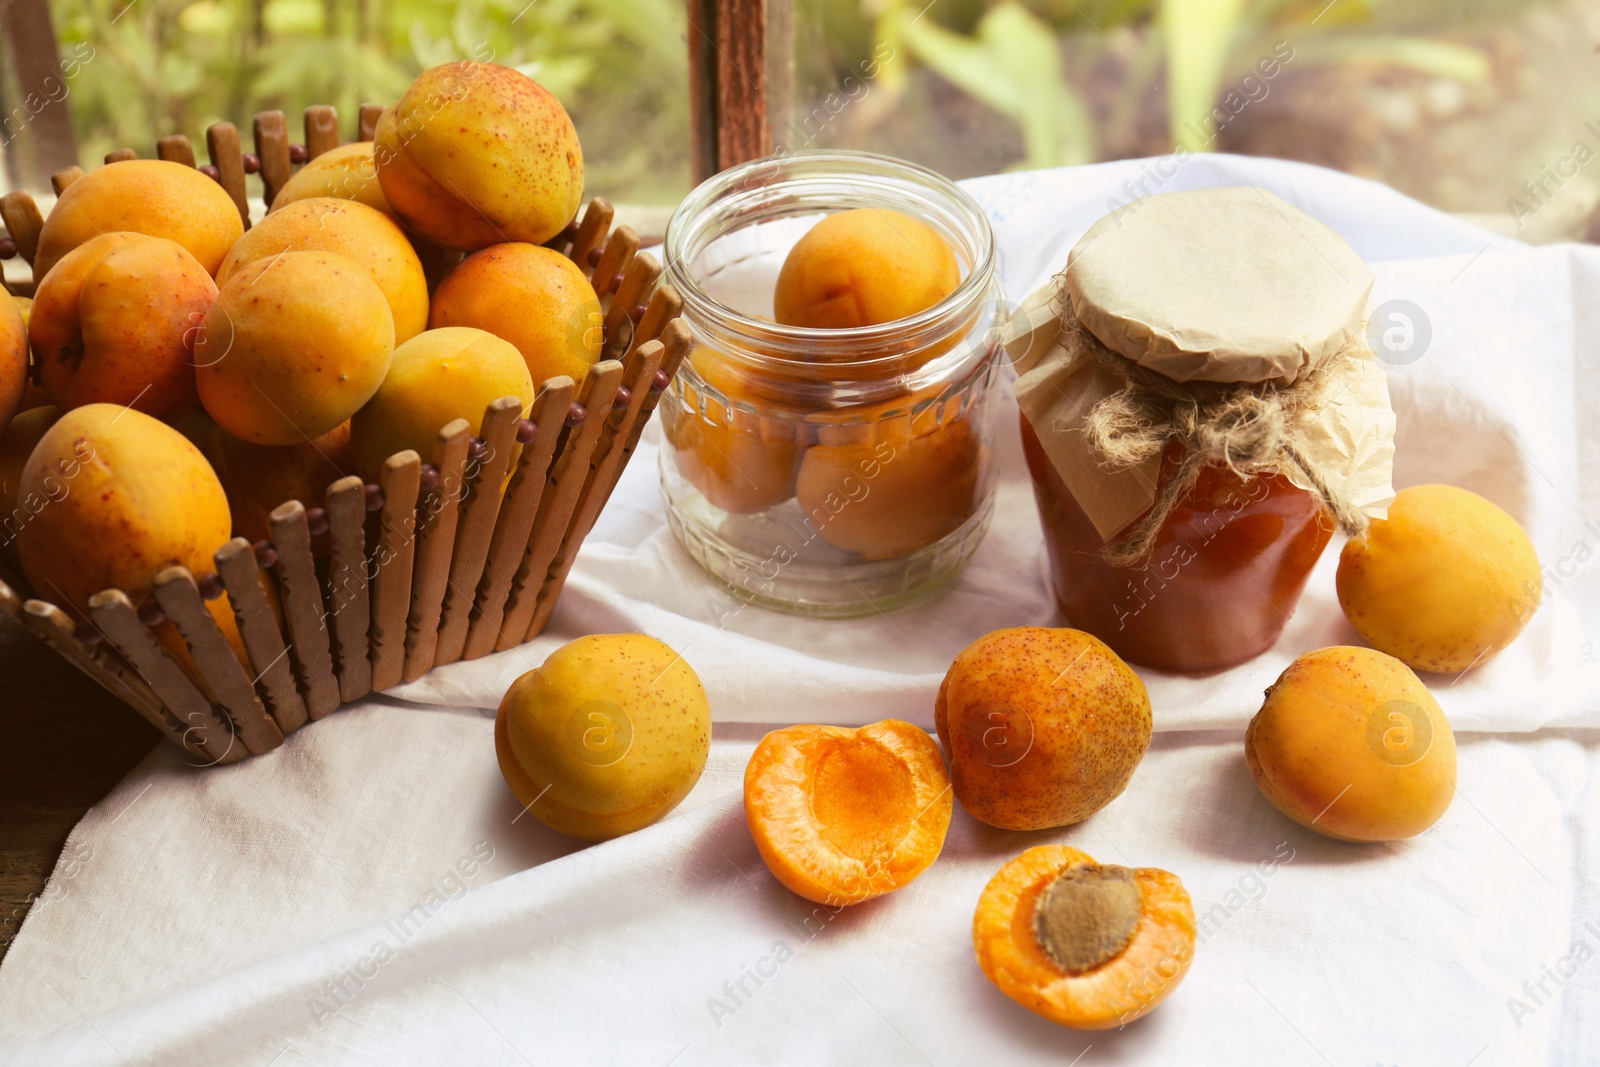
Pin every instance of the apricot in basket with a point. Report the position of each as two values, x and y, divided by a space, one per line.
841 816
150 196
1083 944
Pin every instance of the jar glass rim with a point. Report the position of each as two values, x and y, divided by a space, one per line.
692 229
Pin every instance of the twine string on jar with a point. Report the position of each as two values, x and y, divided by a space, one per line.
1247 427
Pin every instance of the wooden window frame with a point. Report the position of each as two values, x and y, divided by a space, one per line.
741 75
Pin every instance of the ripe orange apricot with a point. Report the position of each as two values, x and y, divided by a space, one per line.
841 816
1084 945
1443 583
529 295
347 172
13 360
149 196
1351 744
363 233
1043 727
862 268
894 495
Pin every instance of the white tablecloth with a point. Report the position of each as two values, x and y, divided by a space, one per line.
368 894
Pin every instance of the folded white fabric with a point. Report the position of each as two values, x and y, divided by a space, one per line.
370 893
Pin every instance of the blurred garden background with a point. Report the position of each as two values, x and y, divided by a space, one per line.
1474 106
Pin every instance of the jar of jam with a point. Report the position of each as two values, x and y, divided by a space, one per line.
1194 422
828 470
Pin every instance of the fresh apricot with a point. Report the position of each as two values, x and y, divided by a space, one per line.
1086 945
149 196
533 297
366 235
896 494
1042 727
842 816
293 346
258 478
13 360
1351 744
1444 583
125 496
864 267
17 441
347 172
604 738
434 378
741 462
115 323
474 154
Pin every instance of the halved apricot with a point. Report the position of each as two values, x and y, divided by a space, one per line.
1085 945
842 815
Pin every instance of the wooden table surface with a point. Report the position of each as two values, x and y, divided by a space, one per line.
64 743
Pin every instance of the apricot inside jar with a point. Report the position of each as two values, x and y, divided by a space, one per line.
841 816
1086 945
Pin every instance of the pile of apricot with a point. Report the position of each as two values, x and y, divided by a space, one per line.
746 447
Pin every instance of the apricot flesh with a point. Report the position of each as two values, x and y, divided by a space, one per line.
149 196
115 323
347 172
534 297
1084 945
896 494
364 234
1042 727
293 346
434 378
1351 744
841 816
1444 583
864 267
474 154
604 738
128 496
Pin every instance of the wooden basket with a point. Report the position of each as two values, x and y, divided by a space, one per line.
456 569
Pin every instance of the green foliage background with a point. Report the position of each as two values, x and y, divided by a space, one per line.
176 66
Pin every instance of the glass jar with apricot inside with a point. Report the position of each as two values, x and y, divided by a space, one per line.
841 816
1087 945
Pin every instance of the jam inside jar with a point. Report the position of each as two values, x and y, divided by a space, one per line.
1224 575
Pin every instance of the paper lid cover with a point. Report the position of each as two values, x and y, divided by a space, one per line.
1220 285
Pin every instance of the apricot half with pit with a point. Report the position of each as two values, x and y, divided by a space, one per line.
841 816
1083 944
604 738
1043 727
1444 583
1351 744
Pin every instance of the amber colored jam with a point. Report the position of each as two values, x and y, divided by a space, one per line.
1223 578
